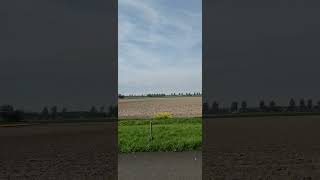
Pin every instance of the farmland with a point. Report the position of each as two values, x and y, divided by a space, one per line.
59 151
179 134
261 147
255 146
146 107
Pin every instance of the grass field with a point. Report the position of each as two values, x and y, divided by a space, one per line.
177 134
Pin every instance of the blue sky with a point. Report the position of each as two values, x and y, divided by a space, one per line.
160 46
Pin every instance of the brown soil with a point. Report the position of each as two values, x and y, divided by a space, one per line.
262 148
59 151
147 107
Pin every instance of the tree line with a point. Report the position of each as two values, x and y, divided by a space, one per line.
302 106
121 96
9 113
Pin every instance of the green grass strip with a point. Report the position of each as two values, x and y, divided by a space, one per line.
180 134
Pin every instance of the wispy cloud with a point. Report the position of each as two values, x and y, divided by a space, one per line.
159 46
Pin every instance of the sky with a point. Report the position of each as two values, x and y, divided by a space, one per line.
160 46
57 52
261 50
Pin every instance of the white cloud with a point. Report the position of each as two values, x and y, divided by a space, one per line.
159 47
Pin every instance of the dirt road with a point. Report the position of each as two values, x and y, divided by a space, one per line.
160 166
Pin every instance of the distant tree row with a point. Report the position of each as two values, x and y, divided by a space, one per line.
156 95
302 106
121 96
8 113
186 94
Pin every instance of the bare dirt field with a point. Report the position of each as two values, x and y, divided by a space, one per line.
147 107
59 151
262 148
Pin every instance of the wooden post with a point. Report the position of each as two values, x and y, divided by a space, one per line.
150 131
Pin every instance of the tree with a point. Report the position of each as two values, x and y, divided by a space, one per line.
272 106
121 96
234 106
93 110
17 115
64 112
310 104
318 104
8 113
292 105
214 107
113 111
54 111
262 106
6 108
243 106
45 113
302 105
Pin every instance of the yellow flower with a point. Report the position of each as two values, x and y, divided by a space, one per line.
163 115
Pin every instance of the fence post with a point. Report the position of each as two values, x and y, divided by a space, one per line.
150 131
